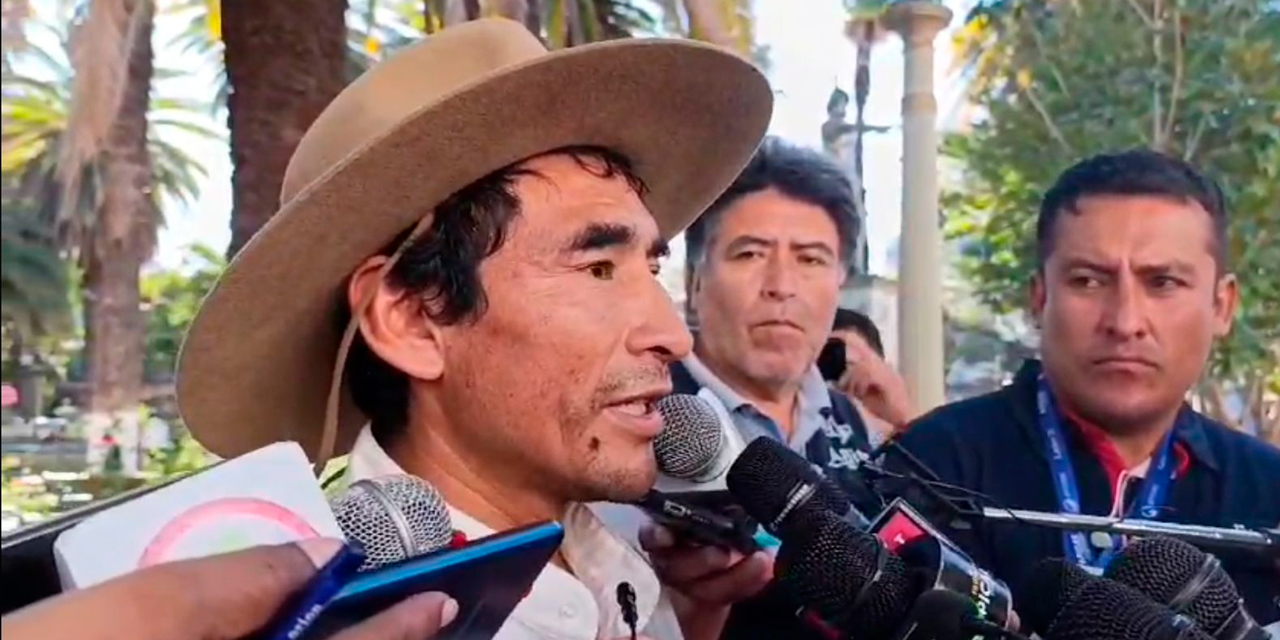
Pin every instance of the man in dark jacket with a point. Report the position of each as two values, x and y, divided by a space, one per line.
1131 292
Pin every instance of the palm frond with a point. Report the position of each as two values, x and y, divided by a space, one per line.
99 56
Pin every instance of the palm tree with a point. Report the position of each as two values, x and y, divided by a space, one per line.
13 14
285 61
96 178
33 276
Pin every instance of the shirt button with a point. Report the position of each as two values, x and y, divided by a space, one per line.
568 612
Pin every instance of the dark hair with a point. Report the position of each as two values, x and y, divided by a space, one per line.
442 269
1138 172
800 173
861 324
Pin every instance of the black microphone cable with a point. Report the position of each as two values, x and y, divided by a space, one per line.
627 601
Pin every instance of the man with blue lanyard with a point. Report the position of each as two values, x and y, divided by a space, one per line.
1131 291
769 258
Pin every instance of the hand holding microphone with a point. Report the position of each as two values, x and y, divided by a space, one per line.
707 565
225 597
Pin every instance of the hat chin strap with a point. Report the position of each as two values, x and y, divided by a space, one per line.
330 433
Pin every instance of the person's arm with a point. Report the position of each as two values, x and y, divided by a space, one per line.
225 597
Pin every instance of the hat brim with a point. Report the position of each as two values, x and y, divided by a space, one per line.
256 365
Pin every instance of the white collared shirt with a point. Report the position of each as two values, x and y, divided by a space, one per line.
562 606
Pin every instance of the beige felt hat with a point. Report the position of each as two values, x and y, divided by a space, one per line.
260 358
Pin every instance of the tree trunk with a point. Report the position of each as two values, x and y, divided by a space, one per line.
122 238
285 62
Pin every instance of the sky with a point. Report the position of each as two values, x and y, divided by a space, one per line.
808 53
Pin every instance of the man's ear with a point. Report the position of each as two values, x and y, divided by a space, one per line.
1037 296
394 324
1226 297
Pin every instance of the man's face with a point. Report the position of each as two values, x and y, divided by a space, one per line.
555 381
767 289
1129 304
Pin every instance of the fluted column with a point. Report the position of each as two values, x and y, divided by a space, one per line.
920 328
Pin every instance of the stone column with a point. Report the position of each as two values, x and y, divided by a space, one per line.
920 330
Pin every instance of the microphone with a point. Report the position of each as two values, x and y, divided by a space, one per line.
696 445
393 518
845 576
1073 604
1054 582
782 490
627 602
1107 610
777 486
940 614
1188 581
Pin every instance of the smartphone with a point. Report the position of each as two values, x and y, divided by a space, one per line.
831 360
709 524
488 577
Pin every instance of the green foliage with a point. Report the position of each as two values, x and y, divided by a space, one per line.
183 456
1053 82
33 277
171 299
36 107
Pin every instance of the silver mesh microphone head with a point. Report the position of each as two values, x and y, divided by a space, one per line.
691 438
393 518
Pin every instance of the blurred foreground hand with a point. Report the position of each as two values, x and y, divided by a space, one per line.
225 597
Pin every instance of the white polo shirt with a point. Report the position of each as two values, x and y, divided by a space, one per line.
562 606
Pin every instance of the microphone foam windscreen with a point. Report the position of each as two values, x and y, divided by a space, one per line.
765 476
941 613
1054 582
1162 567
691 436
1108 610
826 563
393 518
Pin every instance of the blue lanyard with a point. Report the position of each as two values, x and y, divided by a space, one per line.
1151 498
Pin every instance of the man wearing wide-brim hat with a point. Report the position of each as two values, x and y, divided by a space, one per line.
460 285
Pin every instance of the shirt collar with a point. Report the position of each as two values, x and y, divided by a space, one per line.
599 558
702 375
1188 429
813 390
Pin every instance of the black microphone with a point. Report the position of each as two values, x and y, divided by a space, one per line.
942 614
1054 582
627 602
1189 581
1073 604
845 576
783 491
778 487
1107 610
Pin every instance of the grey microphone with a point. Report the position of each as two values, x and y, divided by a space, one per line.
393 518
697 444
